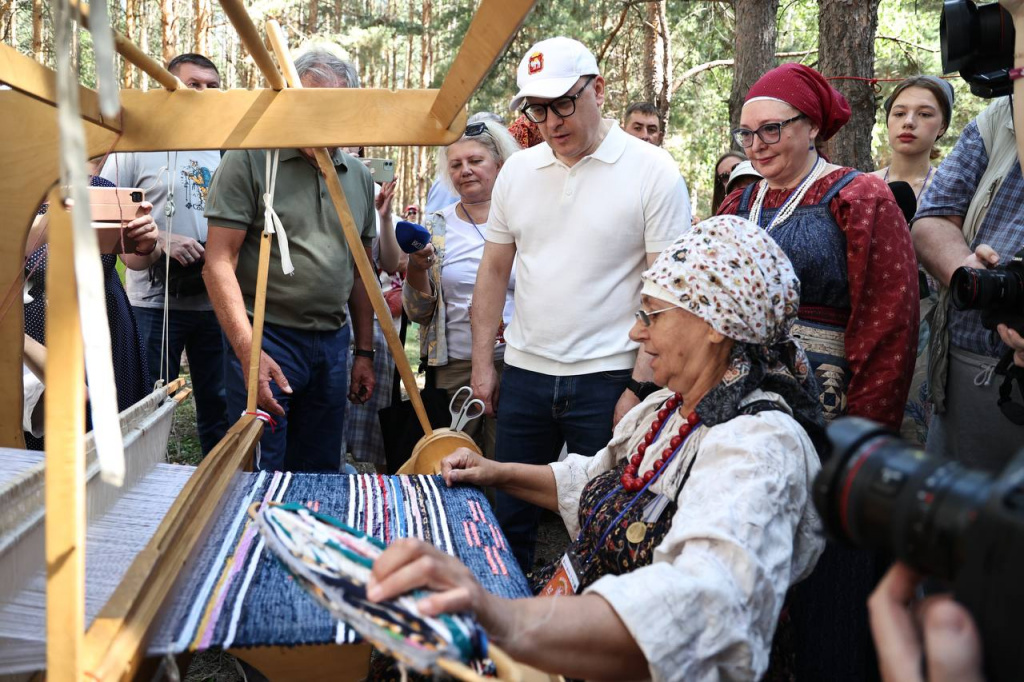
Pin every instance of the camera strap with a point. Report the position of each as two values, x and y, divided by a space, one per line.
1011 410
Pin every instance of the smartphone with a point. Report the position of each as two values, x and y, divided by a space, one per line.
116 204
112 208
382 170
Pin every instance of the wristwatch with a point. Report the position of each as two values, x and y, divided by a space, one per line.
642 389
363 353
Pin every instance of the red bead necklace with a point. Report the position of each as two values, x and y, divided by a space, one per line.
630 479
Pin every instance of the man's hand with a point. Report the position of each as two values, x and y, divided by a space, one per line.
627 401
983 258
485 386
950 643
183 249
269 371
1014 7
360 388
1014 340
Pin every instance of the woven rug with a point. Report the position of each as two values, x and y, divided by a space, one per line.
238 595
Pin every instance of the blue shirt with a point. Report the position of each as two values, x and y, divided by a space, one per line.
950 194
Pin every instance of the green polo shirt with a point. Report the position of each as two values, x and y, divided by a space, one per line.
314 296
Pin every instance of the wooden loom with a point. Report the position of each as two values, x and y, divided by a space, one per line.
176 118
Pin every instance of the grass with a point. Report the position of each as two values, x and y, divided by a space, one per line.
183 445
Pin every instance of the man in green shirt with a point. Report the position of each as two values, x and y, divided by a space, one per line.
302 380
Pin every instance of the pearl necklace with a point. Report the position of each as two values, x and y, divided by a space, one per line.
792 203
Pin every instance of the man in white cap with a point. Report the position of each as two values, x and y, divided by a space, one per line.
582 215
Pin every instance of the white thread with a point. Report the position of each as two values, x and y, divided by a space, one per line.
271 221
792 203
450 546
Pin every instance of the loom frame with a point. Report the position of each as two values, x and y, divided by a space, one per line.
176 118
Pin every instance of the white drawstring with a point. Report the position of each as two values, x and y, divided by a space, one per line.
984 377
271 221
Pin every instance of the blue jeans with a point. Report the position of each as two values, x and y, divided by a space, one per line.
308 437
198 334
537 414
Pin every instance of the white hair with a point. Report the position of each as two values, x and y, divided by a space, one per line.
497 140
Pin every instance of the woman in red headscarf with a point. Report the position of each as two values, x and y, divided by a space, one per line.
846 237
858 317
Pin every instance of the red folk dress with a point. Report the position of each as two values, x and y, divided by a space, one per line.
852 251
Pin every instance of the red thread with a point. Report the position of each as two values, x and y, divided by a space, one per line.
264 417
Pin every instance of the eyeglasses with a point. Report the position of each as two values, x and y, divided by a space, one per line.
645 317
564 106
770 133
475 129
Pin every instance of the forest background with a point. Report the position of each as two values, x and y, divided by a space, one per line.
694 59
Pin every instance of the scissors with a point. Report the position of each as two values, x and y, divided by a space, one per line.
471 408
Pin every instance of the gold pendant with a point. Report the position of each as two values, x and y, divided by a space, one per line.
636 532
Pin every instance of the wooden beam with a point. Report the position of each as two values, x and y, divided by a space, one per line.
115 643
493 27
292 118
134 54
240 19
28 76
28 142
65 457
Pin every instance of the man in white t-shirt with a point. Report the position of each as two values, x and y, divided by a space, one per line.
179 181
581 217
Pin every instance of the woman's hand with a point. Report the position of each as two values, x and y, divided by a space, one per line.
143 231
423 259
382 202
938 625
409 564
469 468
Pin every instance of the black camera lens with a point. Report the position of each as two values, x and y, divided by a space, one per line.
136 197
977 40
882 494
974 289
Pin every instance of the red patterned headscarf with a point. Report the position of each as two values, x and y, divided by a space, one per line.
804 88
525 131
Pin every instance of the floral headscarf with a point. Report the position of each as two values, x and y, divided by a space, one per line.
731 274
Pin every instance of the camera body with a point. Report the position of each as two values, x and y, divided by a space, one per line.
977 40
998 293
963 526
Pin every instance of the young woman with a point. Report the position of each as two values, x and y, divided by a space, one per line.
917 114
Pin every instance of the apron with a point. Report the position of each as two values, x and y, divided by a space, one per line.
816 245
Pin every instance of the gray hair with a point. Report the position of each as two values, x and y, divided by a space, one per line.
485 116
497 140
323 67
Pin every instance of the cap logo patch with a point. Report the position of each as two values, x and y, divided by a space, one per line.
536 64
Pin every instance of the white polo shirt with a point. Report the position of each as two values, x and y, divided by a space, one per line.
581 237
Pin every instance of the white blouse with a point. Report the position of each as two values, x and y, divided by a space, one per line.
744 531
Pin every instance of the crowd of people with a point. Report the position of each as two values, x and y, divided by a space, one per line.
662 385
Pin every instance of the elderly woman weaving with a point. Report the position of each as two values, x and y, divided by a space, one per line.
693 522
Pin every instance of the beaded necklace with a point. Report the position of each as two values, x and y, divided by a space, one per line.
791 204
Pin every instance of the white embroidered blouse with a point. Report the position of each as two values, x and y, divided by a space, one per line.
744 531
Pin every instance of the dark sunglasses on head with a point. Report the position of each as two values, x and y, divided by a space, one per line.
474 129
723 178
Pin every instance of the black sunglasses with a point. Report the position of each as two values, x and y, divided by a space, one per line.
475 129
564 106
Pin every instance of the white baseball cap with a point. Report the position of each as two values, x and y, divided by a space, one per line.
551 67
740 170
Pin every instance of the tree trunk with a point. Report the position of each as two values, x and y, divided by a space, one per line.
657 59
755 49
201 28
846 44
130 14
168 44
312 18
7 24
37 30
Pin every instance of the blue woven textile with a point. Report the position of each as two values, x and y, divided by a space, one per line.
239 595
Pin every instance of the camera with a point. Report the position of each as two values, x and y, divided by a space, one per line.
963 526
977 41
998 293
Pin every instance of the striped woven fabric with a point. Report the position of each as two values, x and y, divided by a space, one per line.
239 595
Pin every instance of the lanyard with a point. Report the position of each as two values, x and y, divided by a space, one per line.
657 475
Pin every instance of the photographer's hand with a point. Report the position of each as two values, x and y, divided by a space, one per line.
1015 341
952 649
983 257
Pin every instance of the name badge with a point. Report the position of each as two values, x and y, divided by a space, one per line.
566 579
